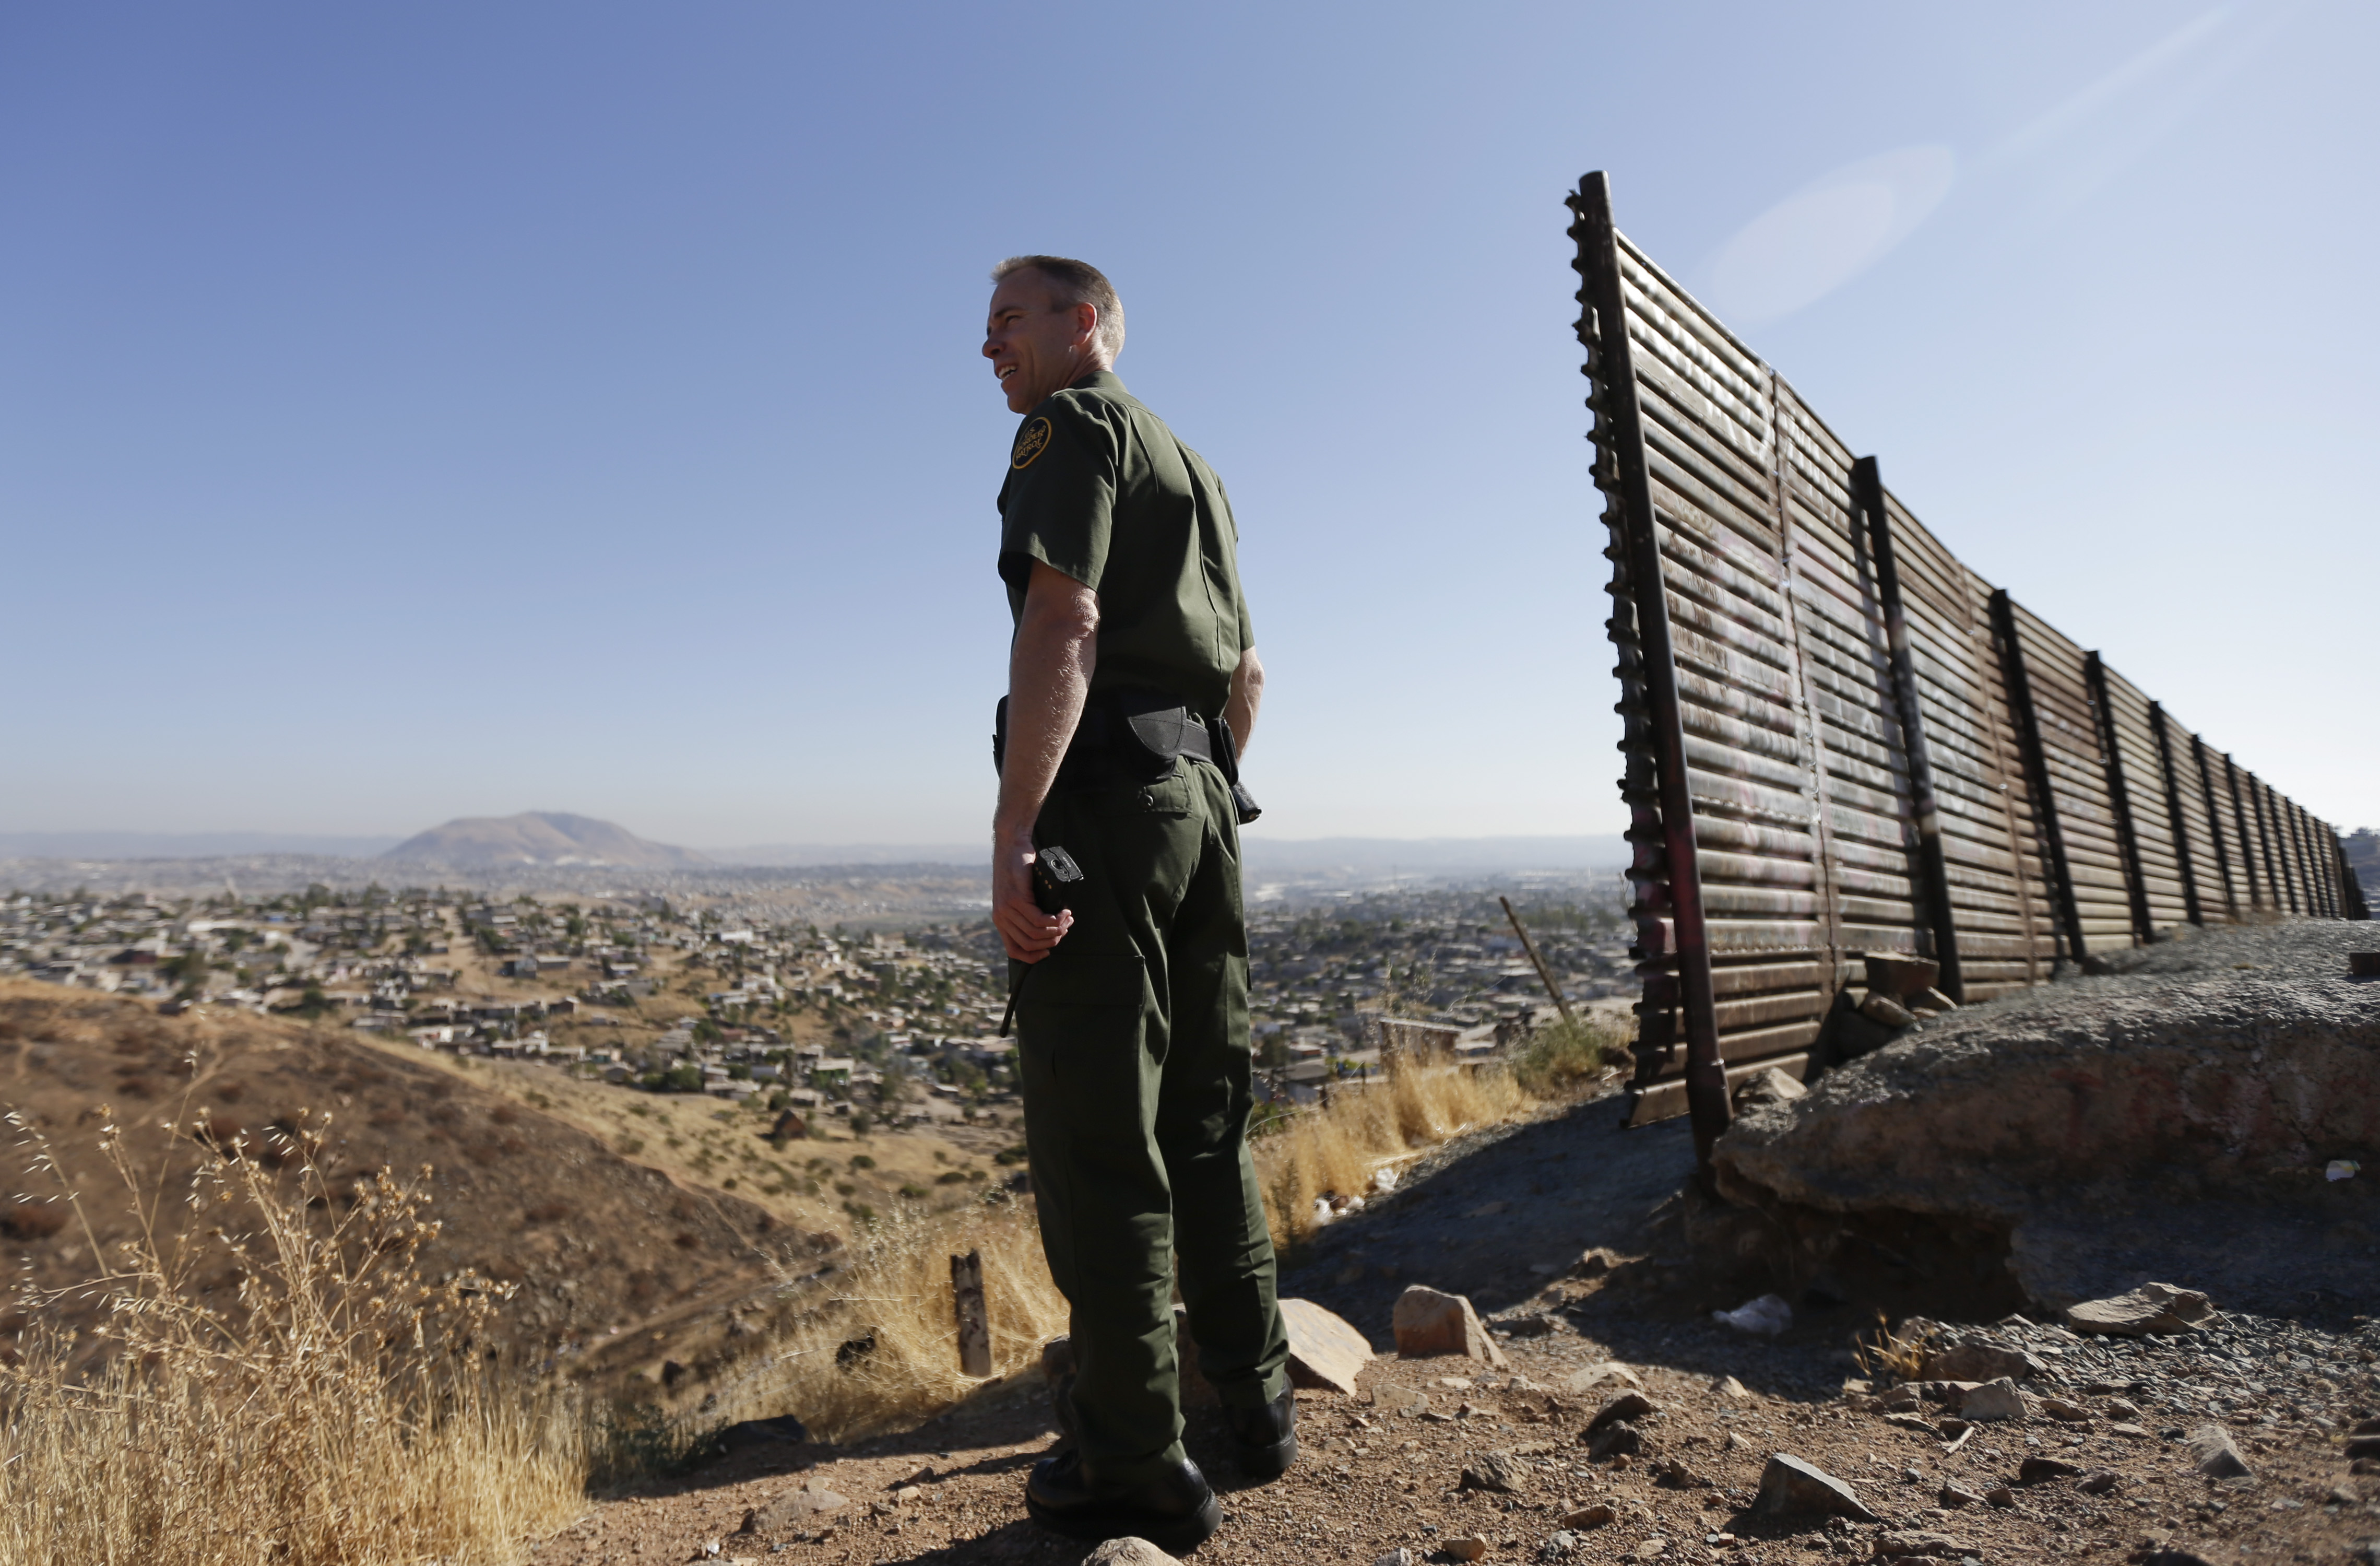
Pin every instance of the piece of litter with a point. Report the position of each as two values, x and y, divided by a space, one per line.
1384 1181
2342 1169
1768 1315
1322 1211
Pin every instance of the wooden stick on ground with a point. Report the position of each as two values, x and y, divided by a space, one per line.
975 1326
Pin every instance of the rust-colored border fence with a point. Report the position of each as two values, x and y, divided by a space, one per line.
1840 740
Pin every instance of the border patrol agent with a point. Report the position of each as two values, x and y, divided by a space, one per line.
1132 670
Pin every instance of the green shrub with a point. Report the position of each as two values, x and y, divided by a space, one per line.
1558 1057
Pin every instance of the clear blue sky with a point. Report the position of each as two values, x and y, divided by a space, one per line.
412 411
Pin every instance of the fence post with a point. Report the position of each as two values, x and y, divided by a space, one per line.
2276 858
2136 887
2215 825
974 1322
2036 773
2313 899
2239 823
1614 374
1933 873
2350 886
2174 817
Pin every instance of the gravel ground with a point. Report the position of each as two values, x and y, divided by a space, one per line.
1371 1481
1503 1216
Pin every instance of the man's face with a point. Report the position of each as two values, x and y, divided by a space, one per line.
1036 346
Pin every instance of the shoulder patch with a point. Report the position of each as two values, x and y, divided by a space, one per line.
1031 442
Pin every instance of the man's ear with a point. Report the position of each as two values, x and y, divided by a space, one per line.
1087 320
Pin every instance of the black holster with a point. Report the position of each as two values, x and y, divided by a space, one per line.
1134 735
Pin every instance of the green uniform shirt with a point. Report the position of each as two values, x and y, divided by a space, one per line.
1099 489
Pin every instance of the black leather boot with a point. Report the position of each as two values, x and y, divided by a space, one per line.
1175 1511
1264 1439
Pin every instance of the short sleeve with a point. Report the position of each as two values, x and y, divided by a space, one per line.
1058 505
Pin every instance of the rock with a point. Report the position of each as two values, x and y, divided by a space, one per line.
2129 1432
1427 1321
1627 1406
2174 1558
2001 1497
2363 1446
1983 1362
1498 1471
2099 1482
1605 1374
1402 1402
1790 1486
1128 1552
1736 1442
1619 1439
1994 1400
2217 1458
1933 1000
1891 973
1058 1359
1470 1547
793 1508
1939 1545
2039 1470
1771 1086
1324 1350
2068 1413
2185 1066
1728 1387
1534 1325
2122 1408
1651 1549
1673 1474
1956 1496
1591 1264
1880 1008
1914 1422
2152 1307
1399 1556
1593 1516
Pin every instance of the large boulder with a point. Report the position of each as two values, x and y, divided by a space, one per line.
2171 1120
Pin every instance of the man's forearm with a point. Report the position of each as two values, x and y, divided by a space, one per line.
1049 679
1247 695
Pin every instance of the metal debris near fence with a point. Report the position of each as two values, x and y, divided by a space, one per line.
1840 740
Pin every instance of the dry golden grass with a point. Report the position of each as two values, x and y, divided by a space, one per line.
1338 1151
276 1381
896 1298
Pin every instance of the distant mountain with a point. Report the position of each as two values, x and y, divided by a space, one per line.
537 837
182 846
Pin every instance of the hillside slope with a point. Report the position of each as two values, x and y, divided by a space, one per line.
604 1252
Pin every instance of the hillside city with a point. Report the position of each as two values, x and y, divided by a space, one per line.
658 994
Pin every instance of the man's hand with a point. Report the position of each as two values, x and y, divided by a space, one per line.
1028 932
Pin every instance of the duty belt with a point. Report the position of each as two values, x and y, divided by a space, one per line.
1139 731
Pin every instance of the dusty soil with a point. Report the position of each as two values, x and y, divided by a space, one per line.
604 1255
1371 1481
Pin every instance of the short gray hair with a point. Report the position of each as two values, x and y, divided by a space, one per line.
1076 283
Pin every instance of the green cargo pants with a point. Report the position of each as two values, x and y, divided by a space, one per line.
1133 1040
